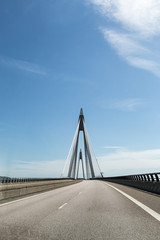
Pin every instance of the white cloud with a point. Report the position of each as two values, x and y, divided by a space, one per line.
112 147
22 65
120 162
130 104
127 104
139 24
132 50
130 162
142 16
34 169
125 43
149 65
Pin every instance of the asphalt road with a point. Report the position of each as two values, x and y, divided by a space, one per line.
84 211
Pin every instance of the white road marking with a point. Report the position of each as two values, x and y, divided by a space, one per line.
141 205
24 198
62 205
21 199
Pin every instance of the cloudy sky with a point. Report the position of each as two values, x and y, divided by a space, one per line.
57 56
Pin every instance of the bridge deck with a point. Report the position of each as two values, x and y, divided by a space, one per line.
87 210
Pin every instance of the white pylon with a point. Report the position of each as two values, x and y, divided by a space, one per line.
72 156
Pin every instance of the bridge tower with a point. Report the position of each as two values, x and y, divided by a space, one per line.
87 166
80 160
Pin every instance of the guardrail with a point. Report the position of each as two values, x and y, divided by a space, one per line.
146 177
148 181
22 180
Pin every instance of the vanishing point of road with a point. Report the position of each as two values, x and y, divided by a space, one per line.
89 210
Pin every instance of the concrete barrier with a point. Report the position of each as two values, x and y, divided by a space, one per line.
16 190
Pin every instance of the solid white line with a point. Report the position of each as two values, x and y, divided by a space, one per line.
21 199
62 205
141 205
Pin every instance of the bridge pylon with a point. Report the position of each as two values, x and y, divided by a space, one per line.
88 167
80 159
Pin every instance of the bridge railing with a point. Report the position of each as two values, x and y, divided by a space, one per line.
148 181
146 177
22 180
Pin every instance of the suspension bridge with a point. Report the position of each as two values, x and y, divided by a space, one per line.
96 207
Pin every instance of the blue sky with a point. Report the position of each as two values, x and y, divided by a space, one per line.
57 56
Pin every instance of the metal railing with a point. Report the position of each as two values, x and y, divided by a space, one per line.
23 180
146 177
148 181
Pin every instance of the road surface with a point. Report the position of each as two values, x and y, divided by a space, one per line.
90 210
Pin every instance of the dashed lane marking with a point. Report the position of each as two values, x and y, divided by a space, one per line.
62 205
